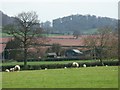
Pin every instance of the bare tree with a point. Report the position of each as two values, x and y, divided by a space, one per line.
100 42
104 38
91 42
26 29
55 48
76 34
119 39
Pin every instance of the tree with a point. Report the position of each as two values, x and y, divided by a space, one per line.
55 48
100 43
91 42
26 29
103 39
76 34
119 39
12 49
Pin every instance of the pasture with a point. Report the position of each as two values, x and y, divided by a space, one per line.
89 77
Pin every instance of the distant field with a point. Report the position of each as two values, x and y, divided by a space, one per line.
90 77
48 35
5 35
91 31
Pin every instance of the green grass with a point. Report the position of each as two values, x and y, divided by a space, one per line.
91 31
48 35
5 35
90 77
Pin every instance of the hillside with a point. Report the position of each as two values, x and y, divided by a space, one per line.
70 24
6 19
82 23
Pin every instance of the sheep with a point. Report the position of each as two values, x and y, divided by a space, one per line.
45 68
75 64
84 65
17 68
65 67
12 69
7 70
106 65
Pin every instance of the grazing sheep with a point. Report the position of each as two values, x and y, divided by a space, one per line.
75 64
12 69
17 68
7 70
65 67
106 65
84 65
45 68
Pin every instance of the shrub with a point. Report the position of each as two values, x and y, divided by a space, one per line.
55 66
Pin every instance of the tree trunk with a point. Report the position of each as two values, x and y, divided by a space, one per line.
101 59
25 57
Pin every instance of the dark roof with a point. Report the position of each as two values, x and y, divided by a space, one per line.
50 54
77 51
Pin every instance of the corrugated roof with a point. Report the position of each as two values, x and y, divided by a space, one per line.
77 51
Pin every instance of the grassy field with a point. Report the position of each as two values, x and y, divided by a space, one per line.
91 31
90 77
49 35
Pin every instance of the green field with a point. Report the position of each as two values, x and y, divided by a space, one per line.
47 35
90 31
90 77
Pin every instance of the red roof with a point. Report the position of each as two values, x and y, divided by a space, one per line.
3 40
67 40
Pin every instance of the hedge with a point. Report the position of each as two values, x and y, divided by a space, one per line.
55 66
56 59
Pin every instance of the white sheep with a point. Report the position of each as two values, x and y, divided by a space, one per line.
12 69
84 65
17 68
7 70
45 68
75 64
65 67
106 65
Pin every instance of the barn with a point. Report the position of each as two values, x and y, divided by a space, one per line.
51 55
73 53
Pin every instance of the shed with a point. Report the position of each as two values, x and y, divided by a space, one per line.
73 53
51 55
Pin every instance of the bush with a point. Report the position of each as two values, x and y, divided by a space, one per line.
55 66
55 59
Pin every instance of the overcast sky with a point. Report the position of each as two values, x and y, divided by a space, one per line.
52 9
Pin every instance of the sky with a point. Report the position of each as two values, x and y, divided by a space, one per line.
52 9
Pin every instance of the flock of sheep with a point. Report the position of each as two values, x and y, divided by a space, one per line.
75 64
17 67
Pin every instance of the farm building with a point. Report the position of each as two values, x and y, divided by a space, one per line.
73 53
65 41
51 55
69 44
